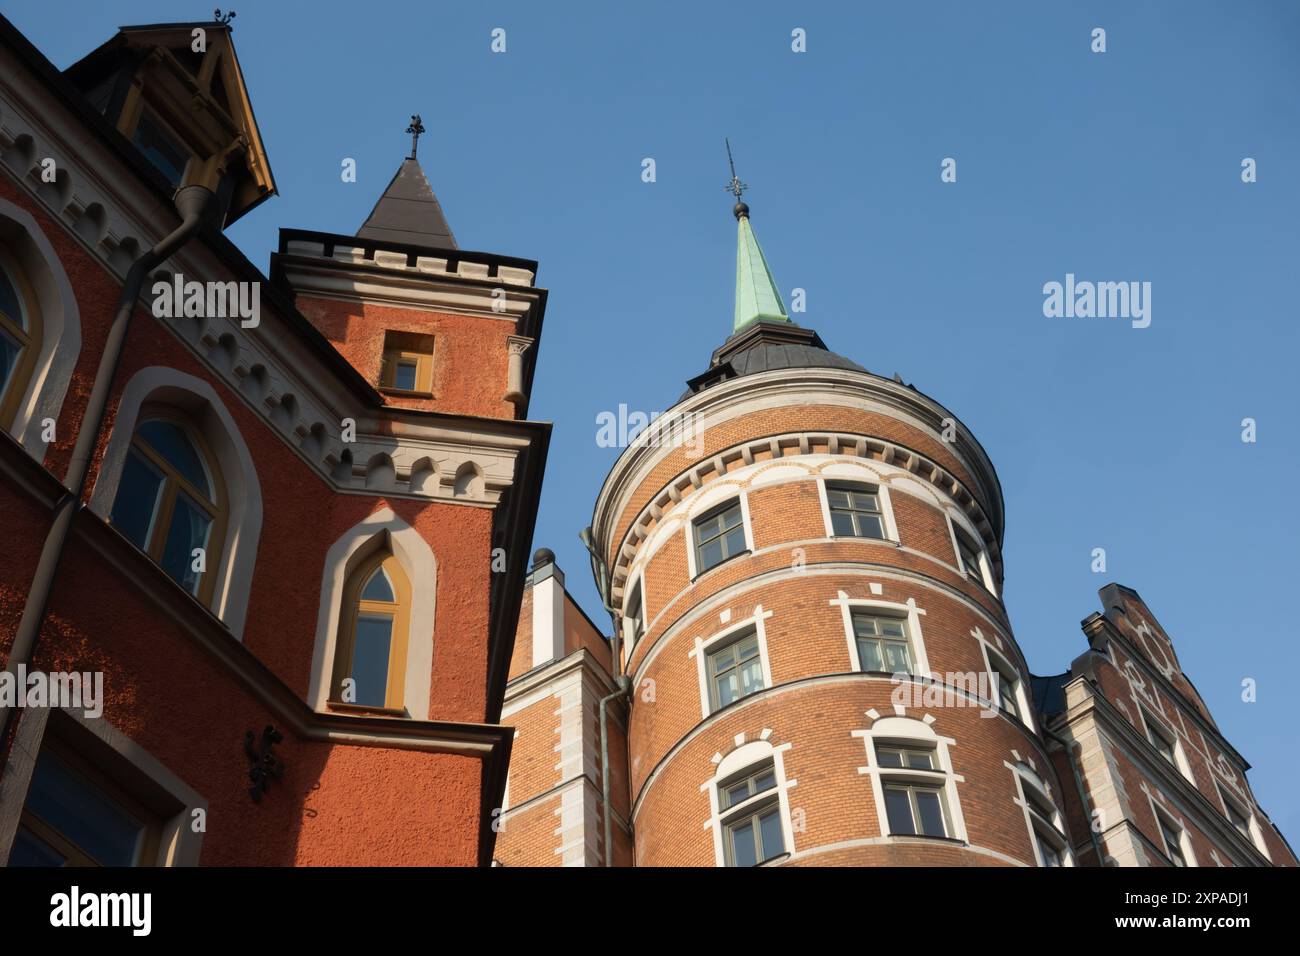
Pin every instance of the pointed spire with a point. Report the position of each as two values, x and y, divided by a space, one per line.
757 298
408 212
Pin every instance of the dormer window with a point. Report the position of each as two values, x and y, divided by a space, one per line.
161 147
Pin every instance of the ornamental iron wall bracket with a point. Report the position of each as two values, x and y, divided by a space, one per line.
265 764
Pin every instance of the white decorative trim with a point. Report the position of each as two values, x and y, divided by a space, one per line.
383 528
60 325
744 756
910 611
1025 777
700 651
167 386
901 729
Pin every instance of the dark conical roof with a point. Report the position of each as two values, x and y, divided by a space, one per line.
408 212
765 346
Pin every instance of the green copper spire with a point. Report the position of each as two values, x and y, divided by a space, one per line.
757 297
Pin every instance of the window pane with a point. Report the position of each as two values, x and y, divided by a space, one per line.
897 658
743 851
710 554
930 810
899 809
370 659
137 499
189 530
730 518
869 658
31 850
747 647
724 659
378 588
920 760
751 678
863 625
770 833
160 149
764 781
9 352
727 688
171 442
869 526
842 523
889 758
838 498
735 794
10 303
1051 856
735 541
404 376
71 804
892 628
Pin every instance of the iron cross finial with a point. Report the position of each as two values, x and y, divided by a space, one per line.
415 129
223 17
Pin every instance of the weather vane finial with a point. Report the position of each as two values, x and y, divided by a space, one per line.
223 17
415 129
736 187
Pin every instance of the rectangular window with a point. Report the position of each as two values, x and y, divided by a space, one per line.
408 363
883 645
1159 739
163 149
905 758
1048 850
1236 817
1173 841
75 816
855 511
968 555
734 671
1008 685
753 834
632 612
719 535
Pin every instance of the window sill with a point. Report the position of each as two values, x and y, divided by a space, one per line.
362 710
403 393
889 542
922 838
714 567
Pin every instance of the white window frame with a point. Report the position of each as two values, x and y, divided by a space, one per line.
705 502
703 646
747 756
1170 736
986 566
1252 821
903 731
910 611
881 493
1184 841
630 640
993 657
1026 780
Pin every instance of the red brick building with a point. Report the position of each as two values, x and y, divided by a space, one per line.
805 563
284 519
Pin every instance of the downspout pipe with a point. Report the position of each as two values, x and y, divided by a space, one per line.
622 685
196 205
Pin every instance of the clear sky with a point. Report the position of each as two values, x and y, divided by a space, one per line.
1119 166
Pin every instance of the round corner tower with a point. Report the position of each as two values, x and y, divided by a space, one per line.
808 561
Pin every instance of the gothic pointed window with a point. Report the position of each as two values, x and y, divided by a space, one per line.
20 337
171 502
370 654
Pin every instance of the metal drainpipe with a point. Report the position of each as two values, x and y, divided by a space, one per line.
195 205
624 684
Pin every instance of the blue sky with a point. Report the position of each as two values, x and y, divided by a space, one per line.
1117 166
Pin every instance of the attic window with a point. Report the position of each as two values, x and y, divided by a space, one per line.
408 363
160 147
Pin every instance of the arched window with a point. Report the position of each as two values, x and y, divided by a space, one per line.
171 501
20 337
370 653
